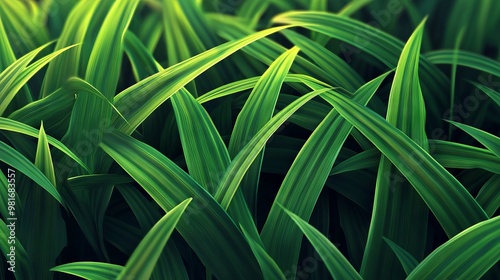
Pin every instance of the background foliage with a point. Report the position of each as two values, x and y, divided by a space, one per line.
242 139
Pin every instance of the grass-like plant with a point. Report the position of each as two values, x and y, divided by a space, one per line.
249 139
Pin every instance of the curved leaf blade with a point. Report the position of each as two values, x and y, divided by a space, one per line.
141 263
489 140
90 270
450 202
15 159
468 255
305 180
207 227
337 264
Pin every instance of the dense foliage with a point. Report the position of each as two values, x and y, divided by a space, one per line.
250 139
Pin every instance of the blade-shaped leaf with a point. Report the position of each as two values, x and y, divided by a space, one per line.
141 263
13 158
236 171
270 269
170 264
489 140
468 255
396 203
256 112
12 74
407 260
42 227
305 180
381 45
450 202
336 263
207 227
19 127
91 270
465 58
137 102
489 196
494 95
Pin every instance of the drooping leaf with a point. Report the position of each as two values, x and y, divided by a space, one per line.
494 95
489 140
336 263
270 269
407 260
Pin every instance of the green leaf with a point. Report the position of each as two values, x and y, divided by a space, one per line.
267 51
465 58
143 62
17 161
18 127
489 140
270 269
407 260
381 45
251 11
354 222
489 196
353 7
170 264
249 83
91 270
96 180
494 95
68 64
14 77
337 264
456 155
235 173
305 180
340 71
450 202
366 159
396 203
141 263
468 255
256 112
102 72
207 228
43 229
6 52
51 109
205 152
25 31
182 39
138 101
194 134
75 84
